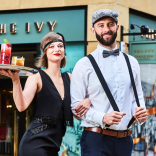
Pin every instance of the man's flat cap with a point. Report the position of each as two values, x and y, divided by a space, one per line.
104 13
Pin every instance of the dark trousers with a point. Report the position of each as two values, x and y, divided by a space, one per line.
95 144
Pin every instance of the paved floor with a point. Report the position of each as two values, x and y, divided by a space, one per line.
135 153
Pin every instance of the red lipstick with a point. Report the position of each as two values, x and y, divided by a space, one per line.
57 54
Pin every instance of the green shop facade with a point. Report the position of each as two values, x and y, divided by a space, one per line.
24 30
143 48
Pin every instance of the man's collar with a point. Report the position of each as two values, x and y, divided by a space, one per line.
100 48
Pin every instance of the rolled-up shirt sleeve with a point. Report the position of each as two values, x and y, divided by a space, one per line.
139 90
78 90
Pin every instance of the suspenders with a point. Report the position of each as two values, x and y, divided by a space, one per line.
106 89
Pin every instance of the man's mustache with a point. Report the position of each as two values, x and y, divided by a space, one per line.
108 33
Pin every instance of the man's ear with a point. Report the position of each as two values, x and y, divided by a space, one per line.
92 30
117 27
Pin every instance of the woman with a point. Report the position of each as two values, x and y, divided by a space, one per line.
51 90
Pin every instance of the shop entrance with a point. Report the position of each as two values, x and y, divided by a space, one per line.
13 123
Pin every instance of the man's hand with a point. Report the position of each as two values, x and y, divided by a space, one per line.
113 118
141 113
82 108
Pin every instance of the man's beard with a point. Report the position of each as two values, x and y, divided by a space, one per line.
106 42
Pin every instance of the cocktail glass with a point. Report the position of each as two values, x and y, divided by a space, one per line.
5 54
18 61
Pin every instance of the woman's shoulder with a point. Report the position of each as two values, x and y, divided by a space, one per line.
67 75
35 77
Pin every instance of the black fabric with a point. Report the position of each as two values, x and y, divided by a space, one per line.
64 41
50 93
132 79
51 114
106 89
104 84
68 115
96 144
133 85
58 40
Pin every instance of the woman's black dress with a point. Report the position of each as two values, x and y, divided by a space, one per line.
51 114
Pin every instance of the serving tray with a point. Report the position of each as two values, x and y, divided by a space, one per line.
23 71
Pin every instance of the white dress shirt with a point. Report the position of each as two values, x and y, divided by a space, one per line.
85 84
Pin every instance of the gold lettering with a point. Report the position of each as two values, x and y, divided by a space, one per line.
27 27
141 50
145 50
51 25
38 28
152 50
149 55
135 51
12 28
2 28
138 51
149 50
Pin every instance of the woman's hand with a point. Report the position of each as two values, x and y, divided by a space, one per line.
22 99
82 108
13 75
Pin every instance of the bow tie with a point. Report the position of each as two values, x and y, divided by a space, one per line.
107 53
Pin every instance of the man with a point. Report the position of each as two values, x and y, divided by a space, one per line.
97 139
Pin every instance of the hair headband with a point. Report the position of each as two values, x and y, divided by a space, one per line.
62 39
58 40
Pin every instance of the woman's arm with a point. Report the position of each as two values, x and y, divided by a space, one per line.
82 108
22 99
